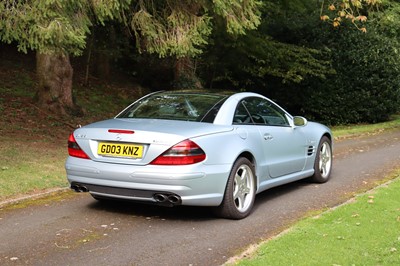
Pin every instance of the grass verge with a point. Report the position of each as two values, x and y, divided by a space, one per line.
341 132
362 232
29 167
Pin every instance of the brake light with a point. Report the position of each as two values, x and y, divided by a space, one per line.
183 153
74 150
121 131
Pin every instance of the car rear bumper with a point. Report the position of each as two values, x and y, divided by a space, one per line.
196 185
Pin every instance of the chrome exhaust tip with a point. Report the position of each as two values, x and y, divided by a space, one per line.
160 197
169 199
79 188
174 199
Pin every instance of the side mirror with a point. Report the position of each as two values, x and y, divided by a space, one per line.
299 121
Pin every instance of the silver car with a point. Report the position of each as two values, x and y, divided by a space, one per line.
199 149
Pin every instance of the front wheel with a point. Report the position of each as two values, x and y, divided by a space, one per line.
240 191
323 161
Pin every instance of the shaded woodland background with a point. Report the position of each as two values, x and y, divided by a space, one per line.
335 74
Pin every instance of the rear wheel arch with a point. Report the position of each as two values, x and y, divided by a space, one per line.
247 155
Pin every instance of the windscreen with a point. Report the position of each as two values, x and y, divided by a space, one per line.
200 107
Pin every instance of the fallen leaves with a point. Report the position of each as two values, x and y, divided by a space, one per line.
371 199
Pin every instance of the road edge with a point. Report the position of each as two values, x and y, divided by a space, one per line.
41 194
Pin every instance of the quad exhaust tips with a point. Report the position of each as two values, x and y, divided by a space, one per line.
161 198
167 198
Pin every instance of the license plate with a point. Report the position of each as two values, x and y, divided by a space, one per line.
120 150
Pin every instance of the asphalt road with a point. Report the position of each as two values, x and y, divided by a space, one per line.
80 231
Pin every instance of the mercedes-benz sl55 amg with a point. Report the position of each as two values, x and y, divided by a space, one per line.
199 149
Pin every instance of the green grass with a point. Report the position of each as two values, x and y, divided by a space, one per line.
102 101
363 232
21 86
357 130
27 167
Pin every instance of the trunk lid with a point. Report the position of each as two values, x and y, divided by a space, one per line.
138 141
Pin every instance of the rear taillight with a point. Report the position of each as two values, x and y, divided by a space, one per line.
185 152
74 150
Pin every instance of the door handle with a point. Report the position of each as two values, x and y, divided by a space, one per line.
268 136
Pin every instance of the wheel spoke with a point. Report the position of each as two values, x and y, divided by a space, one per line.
242 188
236 187
325 159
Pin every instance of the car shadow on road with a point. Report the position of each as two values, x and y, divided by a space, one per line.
276 192
149 210
183 213
269 198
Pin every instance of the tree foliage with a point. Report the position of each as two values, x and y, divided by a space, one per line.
332 74
361 77
388 19
168 28
47 26
182 28
248 62
365 87
338 11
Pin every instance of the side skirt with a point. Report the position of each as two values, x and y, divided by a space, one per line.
270 183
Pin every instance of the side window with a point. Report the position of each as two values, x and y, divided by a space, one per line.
261 112
241 115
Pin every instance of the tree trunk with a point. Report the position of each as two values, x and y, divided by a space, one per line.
102 66
54 94
185 74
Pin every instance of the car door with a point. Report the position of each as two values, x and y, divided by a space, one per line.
284 145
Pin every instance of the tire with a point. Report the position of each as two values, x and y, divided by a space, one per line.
323 161
240 191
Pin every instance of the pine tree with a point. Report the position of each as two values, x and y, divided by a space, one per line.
56 29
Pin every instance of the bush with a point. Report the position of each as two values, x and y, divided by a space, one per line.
366 86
